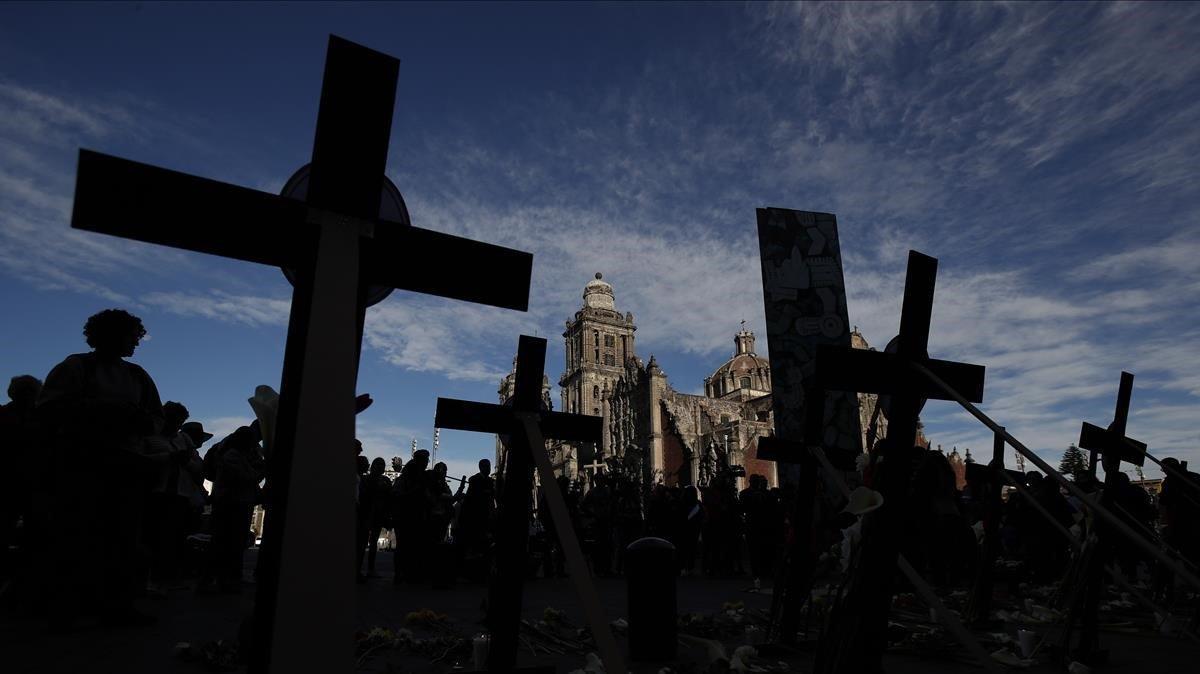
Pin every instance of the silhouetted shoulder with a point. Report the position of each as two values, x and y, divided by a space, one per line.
65 378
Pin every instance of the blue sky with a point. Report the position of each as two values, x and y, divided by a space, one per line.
1043 152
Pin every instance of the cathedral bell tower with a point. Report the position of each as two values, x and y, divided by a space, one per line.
598 342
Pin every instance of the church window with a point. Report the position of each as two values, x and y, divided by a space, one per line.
596 411
609 341
609 360
745 382
724 418
624 347
595 393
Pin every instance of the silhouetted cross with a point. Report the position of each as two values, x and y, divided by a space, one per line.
1111 443
527 425
336 247
888 372
861 617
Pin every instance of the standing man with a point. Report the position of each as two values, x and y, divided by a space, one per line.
23 475
99 409
235 470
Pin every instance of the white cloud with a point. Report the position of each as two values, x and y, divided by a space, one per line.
222 306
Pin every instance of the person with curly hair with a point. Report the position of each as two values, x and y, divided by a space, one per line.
99 410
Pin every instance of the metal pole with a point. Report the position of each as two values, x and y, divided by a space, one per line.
1023 491
1112 571
1116 522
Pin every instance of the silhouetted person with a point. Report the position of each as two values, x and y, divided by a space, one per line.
374 503
475 518
100 409
410 518
555 560
598 508
689 518
177 490
362 513
237 468
24 473
627 519
441 504
764 522
937 529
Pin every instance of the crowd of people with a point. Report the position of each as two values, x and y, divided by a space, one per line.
92 453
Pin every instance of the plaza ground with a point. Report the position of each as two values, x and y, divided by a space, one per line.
27 648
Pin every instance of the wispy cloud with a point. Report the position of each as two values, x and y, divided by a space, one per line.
222 306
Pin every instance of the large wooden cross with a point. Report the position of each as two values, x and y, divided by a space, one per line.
527 425
858 635
336 247
1110 443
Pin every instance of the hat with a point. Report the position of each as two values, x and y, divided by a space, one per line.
195 429
863 501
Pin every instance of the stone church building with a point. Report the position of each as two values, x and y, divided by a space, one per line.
650 428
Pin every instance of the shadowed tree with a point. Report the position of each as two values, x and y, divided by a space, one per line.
1073 462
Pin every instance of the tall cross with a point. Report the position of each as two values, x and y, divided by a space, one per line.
1113 447
1111 444
859 636
336 247
527 425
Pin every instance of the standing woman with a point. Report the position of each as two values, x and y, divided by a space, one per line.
100 409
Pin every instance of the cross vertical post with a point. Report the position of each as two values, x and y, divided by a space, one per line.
1113 448
527 426
981 594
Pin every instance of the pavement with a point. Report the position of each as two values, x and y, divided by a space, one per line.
28 648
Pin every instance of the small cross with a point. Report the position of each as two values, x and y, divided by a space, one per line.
527 425
1111 443
595 466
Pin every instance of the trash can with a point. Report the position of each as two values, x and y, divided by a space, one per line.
650 572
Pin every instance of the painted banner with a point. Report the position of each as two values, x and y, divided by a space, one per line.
805 300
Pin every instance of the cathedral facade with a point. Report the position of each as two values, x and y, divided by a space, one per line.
652 430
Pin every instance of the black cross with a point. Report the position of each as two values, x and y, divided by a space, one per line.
1111 443
336 246
858 635
889 373
527 425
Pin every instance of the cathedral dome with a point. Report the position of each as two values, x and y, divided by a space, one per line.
743 363
746 371
598 294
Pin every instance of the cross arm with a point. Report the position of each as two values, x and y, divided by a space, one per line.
425 261
137 201
577 427
466 415
1092 437
781 450
846 369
